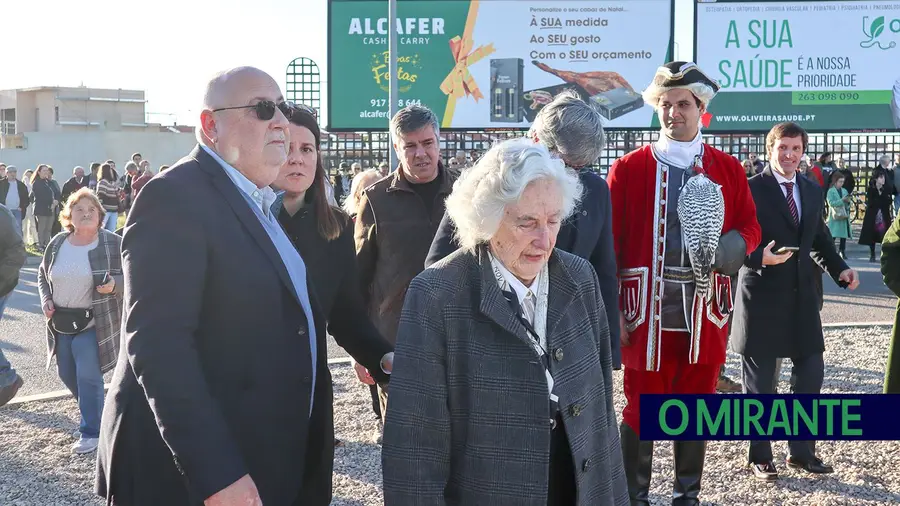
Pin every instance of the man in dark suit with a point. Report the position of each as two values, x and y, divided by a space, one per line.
223 373
75 183
573 129
775 317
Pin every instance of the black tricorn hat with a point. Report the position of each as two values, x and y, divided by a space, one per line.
681 74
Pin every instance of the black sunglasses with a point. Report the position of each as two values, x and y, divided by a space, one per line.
305 108
265 109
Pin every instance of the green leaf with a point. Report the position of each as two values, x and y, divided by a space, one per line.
877 27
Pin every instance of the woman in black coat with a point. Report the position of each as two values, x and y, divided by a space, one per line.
879 201
324 237
45 196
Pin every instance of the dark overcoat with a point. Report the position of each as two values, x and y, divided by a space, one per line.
776 312
468 416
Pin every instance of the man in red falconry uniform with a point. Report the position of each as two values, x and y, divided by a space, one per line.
683 222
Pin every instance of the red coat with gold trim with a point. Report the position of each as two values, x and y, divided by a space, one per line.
637 184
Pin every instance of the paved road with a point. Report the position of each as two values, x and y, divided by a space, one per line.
22 328
22 337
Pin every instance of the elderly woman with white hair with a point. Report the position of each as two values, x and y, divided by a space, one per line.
501 391
572 130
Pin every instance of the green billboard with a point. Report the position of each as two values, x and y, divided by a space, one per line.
494 63
828 65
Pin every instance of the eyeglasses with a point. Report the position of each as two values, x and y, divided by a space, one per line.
305 108
265 109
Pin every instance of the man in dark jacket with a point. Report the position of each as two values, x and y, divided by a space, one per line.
14 195
219 402
12 257
573 129
407 209
774 315
75 183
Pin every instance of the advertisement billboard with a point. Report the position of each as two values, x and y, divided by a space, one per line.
828 65
494 63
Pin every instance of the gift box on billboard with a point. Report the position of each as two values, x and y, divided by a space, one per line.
535 100
617 102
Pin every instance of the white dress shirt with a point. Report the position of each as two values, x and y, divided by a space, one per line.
519 288
781 179
263 197
680 153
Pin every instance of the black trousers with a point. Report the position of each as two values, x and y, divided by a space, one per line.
561 491
760 376
376 402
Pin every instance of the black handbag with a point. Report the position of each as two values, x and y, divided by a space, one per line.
70 321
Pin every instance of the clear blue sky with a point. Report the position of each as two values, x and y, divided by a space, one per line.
169 48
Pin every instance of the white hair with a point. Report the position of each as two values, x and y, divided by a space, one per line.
482 193
351 202
703 92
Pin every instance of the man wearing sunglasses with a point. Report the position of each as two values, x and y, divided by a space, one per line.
219 382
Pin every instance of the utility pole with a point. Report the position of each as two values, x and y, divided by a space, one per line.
394 93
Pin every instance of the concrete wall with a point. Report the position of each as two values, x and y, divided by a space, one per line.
65 150
36 110
25 116
45 102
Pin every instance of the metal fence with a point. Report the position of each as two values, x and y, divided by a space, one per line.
859 151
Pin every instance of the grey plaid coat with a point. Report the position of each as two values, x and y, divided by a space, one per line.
468 414
107 256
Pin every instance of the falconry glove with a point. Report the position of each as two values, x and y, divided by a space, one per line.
730 253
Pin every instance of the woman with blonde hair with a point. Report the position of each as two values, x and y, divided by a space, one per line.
81 286
360 182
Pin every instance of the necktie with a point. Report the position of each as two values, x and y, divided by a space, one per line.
792 205
528 307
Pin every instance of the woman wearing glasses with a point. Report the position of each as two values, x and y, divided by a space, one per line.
323 235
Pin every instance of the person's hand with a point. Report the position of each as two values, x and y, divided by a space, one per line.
108 287
770 258
850 276
240 493
55 203
624 338
362 374
49 309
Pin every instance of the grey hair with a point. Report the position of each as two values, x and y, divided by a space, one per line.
11 168
130 165
482 193
571 127
412 118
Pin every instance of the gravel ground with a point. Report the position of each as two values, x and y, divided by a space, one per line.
36 467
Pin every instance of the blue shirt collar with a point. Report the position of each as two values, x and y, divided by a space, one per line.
262 197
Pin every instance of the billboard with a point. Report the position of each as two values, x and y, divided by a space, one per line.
828 65
495 63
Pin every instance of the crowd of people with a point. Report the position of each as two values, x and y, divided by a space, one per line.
485 303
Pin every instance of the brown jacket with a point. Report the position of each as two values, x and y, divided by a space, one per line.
393 235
